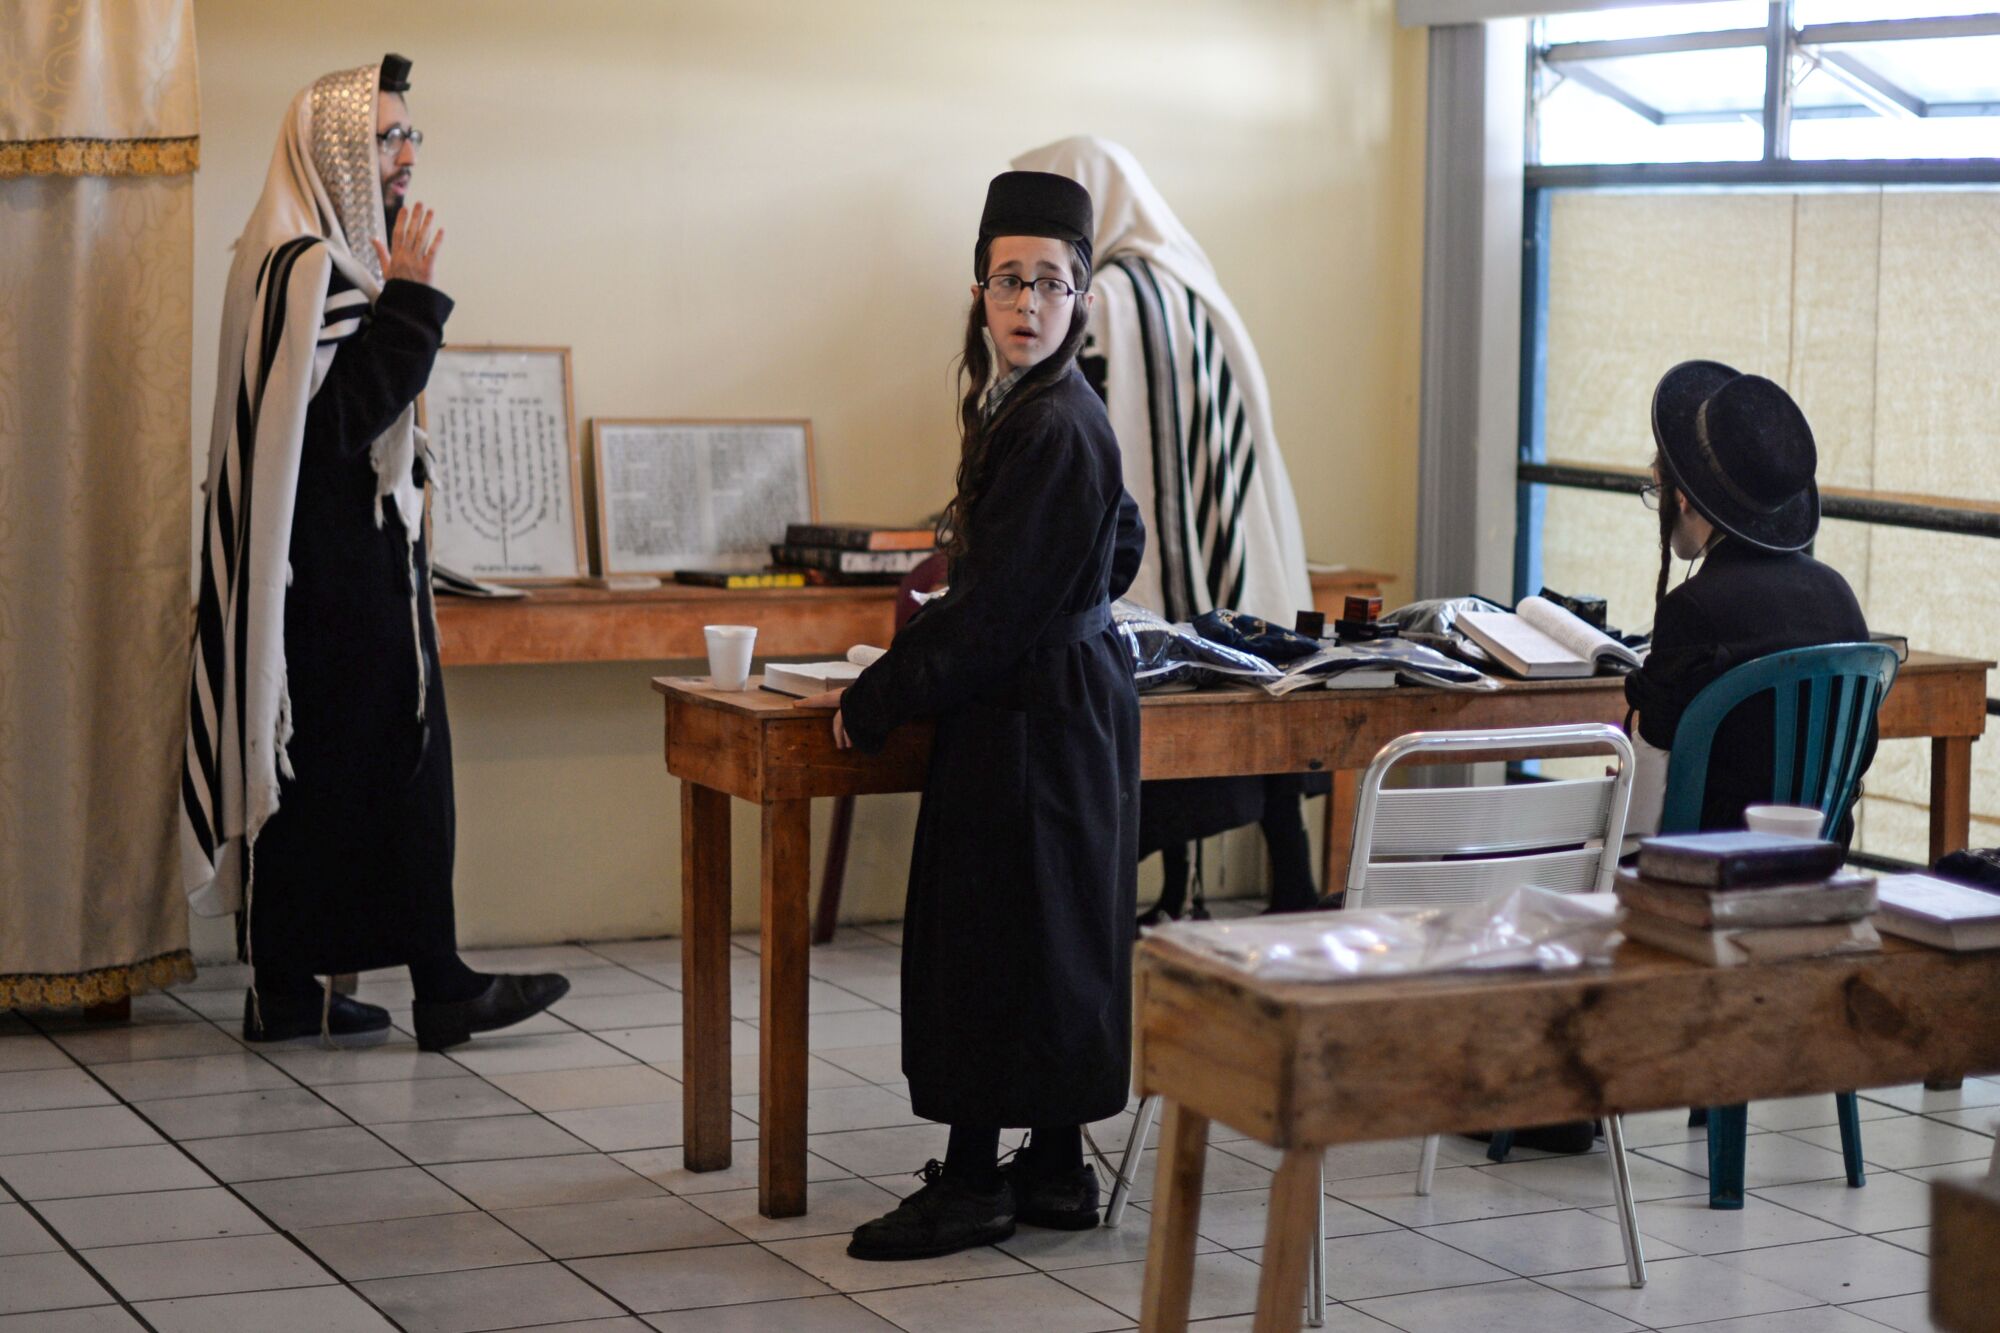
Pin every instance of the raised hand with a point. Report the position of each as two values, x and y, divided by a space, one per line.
412 250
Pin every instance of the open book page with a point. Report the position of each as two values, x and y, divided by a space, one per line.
1587 642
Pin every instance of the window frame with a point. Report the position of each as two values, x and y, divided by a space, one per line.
1783 42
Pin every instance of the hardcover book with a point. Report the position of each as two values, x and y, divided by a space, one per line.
848 562
1752 944
1847 896
859 537
1736 860
1938 912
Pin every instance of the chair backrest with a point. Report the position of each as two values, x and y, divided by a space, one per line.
1823 705
1461 844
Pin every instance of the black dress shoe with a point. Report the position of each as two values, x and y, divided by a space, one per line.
943 1217
507 999
288 1017
1061 1200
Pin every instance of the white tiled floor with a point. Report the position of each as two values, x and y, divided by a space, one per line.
162 1175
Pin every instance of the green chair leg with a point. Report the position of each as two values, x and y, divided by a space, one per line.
1500 1145
1849 1110
1727 1128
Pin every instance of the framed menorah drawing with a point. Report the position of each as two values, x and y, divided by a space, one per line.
506 503
686 494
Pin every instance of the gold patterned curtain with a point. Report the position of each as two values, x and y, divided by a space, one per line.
98 145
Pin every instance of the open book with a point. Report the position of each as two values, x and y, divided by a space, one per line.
803 679
1538 640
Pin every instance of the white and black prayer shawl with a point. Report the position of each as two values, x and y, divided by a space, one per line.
302 281
1187 400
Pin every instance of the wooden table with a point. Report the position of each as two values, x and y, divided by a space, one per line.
561 623
575 624
1303 1067
1965 1235
759 748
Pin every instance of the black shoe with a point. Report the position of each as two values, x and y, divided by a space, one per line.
507 1000
288 1017
943 1217
1575 1136
1061 1201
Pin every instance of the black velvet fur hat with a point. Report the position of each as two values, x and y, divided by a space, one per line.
1740 449
1037 203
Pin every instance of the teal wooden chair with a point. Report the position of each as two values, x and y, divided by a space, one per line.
1824 703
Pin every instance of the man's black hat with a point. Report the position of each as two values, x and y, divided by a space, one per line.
1037 203
1741 450
395 73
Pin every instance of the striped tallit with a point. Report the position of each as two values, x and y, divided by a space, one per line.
1187 399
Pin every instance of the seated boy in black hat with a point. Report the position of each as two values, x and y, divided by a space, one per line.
1733 482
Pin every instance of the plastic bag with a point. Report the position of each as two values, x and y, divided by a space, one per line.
1413 663
1167 656
1254 634
1526 927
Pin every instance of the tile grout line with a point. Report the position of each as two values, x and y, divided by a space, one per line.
201 1166
7 1191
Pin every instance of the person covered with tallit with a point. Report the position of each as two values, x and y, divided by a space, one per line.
1180 378
317 787
1186 395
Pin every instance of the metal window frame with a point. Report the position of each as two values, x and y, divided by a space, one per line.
1791 52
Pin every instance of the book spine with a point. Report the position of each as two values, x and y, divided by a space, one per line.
847 562
831 535
846 537
704 578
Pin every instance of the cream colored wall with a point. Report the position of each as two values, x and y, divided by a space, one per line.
737 207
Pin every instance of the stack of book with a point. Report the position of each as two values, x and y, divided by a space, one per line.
848 553
1731 898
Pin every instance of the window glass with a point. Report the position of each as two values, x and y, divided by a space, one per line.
1807 12
1656 21
1588 116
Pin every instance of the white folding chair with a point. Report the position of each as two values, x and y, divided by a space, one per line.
1561 835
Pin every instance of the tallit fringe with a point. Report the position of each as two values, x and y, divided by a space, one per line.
416 624
249 924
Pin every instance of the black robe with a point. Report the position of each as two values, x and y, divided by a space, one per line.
1018 934
354 870
1742 604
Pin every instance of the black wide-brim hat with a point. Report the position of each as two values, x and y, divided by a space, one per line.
1739 448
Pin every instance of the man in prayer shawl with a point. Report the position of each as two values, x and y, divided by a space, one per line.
1186 394
316 789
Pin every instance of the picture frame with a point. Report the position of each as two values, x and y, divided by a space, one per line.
506 472
676 493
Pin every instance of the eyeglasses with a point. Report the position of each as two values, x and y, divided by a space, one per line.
1649 495
391 140
1005 289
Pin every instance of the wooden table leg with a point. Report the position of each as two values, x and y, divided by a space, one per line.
1176 1211
781 1031
1951 794
1337 840
1289 1228
705 977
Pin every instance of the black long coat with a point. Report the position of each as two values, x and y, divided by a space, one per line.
1742 604
1017 945
354 870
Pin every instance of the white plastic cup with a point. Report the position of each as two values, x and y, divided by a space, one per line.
1790 821
729 655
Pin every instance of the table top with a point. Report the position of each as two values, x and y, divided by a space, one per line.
753 701
1292 1062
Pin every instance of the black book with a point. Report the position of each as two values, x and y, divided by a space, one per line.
859 537
847 562
1737 860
